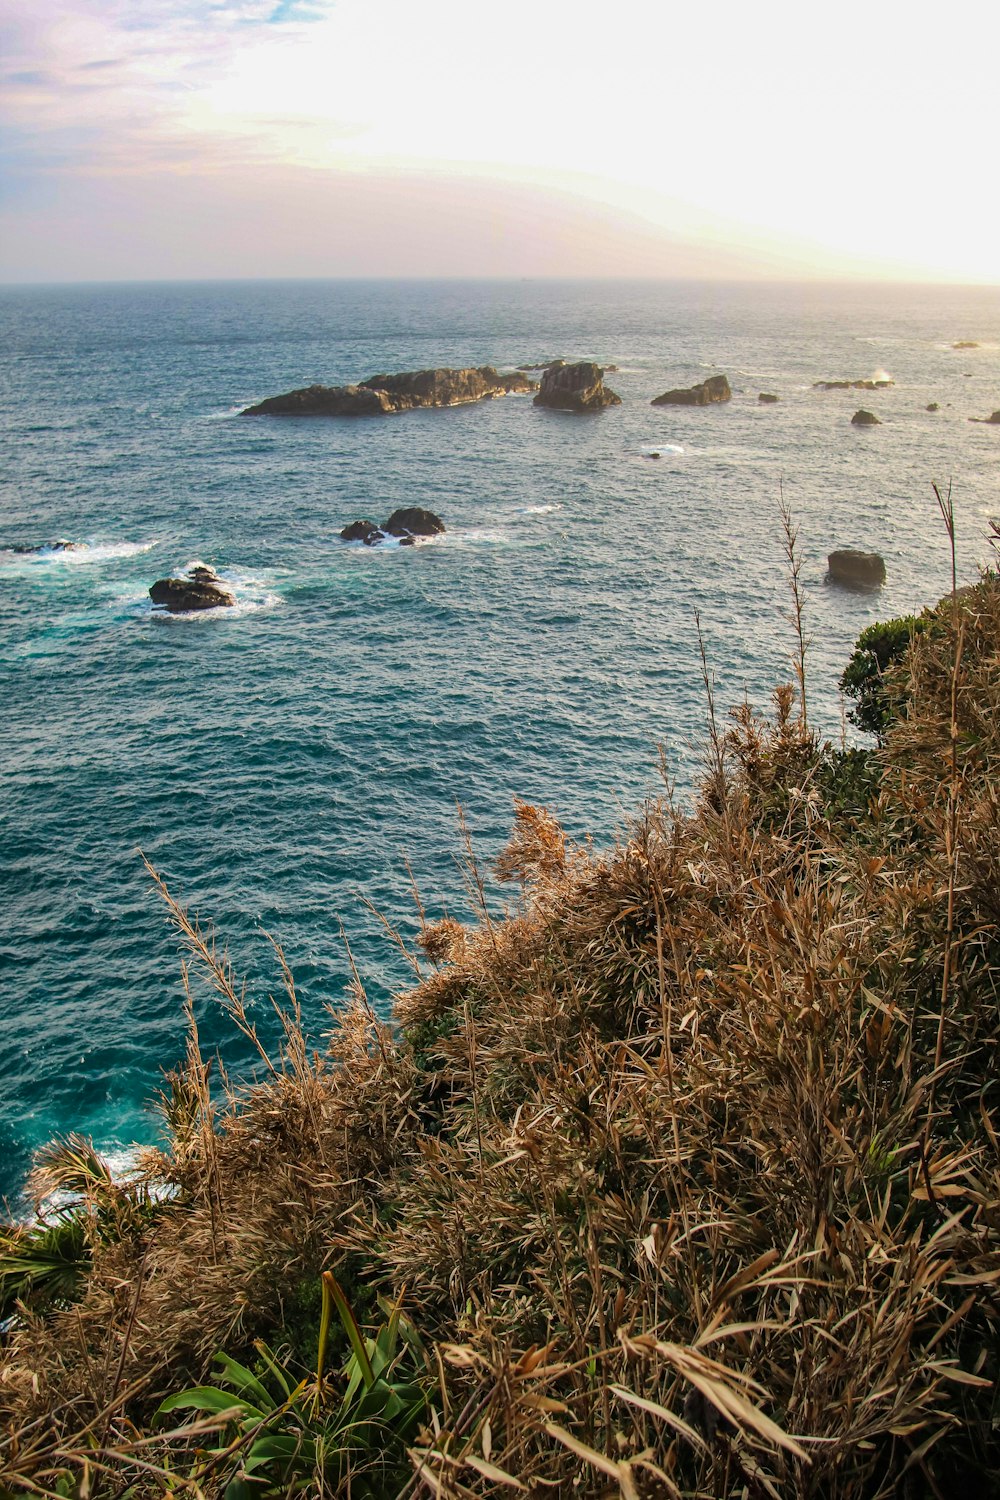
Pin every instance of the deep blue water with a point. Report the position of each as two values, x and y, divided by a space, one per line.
281 762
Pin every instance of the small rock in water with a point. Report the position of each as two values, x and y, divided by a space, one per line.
413 521
933 406
768 397
363 531
856 569
181 596
965 344
653 455
865 419
990 421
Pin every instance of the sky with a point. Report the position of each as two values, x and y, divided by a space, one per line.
150 139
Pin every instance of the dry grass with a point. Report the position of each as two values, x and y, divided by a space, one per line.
687 1170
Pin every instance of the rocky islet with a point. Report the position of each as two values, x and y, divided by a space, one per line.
381 395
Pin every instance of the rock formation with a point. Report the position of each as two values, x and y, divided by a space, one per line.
577 387
380 394
990 421
201 588
857 570
405 525
715 388
768 397
864 418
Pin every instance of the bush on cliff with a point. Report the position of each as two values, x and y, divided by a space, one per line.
686 1168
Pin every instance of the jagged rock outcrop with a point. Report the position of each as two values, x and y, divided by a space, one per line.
990 421
181 596
381 394
852 385
716 388
768 397
855 569
576 387
865 419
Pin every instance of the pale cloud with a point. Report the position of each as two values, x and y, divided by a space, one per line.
857 138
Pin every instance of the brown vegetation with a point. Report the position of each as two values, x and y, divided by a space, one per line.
686 1169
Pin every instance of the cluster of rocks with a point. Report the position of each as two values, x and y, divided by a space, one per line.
715 388
382 394
576 386
406 525
200 588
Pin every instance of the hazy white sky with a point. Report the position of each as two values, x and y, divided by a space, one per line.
157 138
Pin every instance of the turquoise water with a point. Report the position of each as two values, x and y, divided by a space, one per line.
281 763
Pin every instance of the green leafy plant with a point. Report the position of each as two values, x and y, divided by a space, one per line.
280 1433
44 1264
864 679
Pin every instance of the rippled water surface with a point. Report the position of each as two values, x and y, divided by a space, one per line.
281 762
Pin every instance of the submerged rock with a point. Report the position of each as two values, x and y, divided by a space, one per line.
933 406
716 388
577 387
991 421
852 385
413 521
965 344
180 596
855 569
768 397
381 394
865 419
23 549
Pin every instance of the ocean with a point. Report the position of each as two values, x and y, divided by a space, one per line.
295 766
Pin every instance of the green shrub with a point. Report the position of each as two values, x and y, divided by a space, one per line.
864 679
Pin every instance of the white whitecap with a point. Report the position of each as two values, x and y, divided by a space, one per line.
538 510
